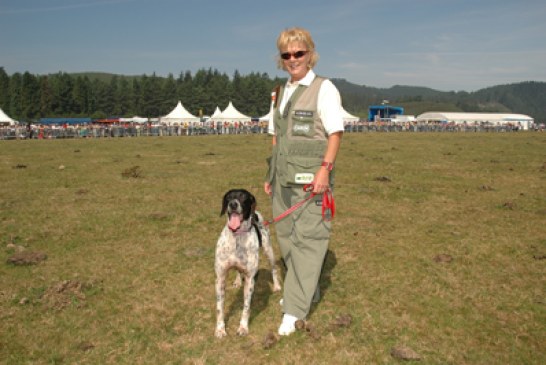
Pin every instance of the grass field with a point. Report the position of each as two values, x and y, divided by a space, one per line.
439 245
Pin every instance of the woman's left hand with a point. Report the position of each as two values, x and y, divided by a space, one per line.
321 183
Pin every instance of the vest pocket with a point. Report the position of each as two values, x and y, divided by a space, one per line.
303 125
300 170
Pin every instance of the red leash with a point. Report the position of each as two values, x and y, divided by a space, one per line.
328 205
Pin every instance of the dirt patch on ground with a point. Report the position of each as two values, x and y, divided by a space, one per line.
27 258
66 293
443 258
403 352
132 172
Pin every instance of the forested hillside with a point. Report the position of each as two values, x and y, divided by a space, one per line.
28 97
521 98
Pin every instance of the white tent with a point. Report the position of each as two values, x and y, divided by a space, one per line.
477 118
231 115
404 119
4 119
266 117
134 119
216 113
347 117
179 115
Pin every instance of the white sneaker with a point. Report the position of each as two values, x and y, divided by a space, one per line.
288 325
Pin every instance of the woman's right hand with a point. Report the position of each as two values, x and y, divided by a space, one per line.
267 188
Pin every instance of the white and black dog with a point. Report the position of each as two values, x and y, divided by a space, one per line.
238 248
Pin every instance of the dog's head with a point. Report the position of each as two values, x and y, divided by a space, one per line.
239 204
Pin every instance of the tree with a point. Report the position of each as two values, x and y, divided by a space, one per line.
63 103
109 97
237 87
46 97
150 99
125 98
185 87
30 96
15 109
169 95
4 90
220 91
80 95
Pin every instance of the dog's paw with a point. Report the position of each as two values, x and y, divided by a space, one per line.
220 332
242 331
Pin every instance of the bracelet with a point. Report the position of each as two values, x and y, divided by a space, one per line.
329 165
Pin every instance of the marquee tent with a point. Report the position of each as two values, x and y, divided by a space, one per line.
4 119
179 115
477 118
216 113
231 115
404 119
347 117
266 117
134 119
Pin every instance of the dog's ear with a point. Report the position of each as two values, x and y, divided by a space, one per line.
224 203
252 204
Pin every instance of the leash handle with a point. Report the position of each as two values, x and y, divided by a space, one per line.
328 206
328 203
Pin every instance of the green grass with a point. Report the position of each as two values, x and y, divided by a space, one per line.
143 248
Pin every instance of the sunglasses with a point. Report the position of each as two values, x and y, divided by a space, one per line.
296 55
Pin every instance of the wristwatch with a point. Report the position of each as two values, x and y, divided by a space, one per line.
329 165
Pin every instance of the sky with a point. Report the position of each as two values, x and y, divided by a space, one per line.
447 45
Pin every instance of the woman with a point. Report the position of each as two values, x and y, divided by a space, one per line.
307 126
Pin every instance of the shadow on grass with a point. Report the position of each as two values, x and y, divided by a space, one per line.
263 290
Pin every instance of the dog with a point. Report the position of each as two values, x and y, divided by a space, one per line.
238 247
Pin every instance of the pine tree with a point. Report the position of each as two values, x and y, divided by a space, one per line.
4 90
15 110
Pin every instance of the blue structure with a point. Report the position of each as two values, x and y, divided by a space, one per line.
63 121
384 112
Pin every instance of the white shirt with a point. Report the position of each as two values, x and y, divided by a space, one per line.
329 104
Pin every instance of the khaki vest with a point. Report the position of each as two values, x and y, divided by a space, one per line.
301 138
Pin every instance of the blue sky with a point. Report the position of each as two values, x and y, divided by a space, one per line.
443 44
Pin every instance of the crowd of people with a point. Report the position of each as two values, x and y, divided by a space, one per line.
35 131
436 127
103 130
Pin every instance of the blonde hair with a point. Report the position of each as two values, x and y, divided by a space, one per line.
296 34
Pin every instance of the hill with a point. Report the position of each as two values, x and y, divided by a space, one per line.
522 98
28 97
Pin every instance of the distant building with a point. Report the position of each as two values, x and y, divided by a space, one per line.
493 119
385 111
65 121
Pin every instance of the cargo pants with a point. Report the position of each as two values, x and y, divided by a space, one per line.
303 238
